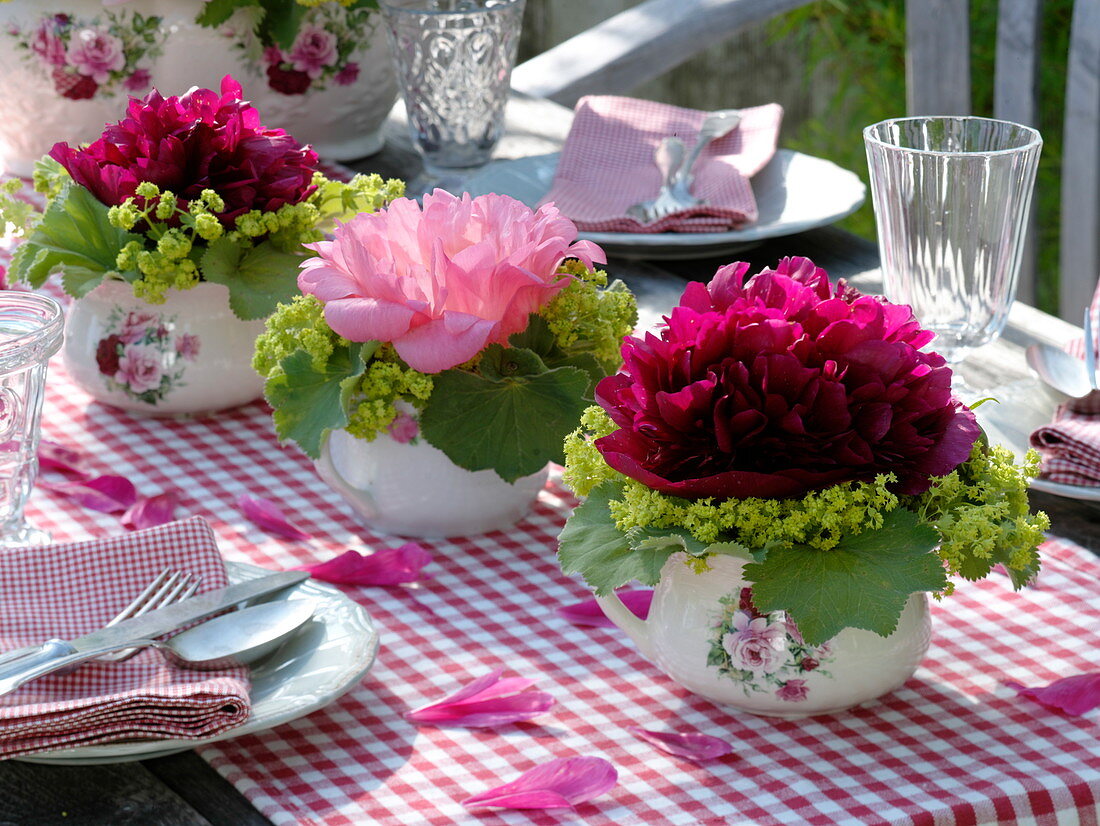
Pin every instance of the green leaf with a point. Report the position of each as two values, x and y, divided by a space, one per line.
79 281
499 363
732 549
216 12
660 539
864 582
592 546
282 21
513 424
537 337
74 234
259 278
309 402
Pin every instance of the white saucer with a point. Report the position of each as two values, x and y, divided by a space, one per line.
794 193
326 659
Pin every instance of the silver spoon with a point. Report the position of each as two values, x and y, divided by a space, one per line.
668 158
1058 369
716 125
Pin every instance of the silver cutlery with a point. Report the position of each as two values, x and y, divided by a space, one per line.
1058 369
716 125
668 157
54 655
1091 347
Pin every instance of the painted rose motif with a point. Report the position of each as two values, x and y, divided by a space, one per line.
142 356
763 652
104 55
313 51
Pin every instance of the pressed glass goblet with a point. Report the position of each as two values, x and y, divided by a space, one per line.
951 198
30 332
454 62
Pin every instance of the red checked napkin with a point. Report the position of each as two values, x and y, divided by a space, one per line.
607 165
71 589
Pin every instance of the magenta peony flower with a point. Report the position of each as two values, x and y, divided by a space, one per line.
194 142
780 385
95 53
314 48
445 282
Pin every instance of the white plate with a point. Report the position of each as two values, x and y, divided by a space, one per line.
1021 407
794 193
323 661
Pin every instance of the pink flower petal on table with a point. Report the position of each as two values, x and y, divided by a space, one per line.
589 613
267 515
151 511
1074 695
389 566
691 745
558 784
108 494
56 456
487 701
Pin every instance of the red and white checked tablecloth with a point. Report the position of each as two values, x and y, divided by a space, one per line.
951 747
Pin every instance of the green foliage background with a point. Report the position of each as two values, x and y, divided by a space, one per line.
861 44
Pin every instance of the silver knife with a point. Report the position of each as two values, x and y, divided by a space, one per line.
53 655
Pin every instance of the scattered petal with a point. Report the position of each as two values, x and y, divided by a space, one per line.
589 613
151 511
558 784
266 514
487 701
1074 695
108 494
691 745
389 566
56 456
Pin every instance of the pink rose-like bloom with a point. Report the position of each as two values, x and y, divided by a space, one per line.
404 428
47 45
793 691
348 75
273 55
136 326
139 368
138 80
95 53
779 385
754 645
187 346
443 282
314 48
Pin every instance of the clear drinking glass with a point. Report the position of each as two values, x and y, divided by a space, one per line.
30 332
951 198
454 61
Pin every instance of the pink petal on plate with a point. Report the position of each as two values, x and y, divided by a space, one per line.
487 701
108 494
558 784
151 511
56 456
266 514
389 566
1074 695
589 613
691 745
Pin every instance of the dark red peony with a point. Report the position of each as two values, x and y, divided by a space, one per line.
197 141
781 385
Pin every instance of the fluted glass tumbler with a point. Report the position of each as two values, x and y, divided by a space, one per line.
454 63
30 332
951 198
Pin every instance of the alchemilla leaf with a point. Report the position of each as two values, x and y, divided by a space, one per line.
864 582
259 278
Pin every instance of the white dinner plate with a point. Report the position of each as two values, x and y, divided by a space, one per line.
1020 408
794 193
324 660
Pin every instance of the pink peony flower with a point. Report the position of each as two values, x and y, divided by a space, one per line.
139 368
187 346
139 79
404 428
314 48
347 75
780 385
444 282
95 53
47 45
136 326
793 691
200 140
754 645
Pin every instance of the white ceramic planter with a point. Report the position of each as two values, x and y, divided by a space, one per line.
57 92
704 635
187 356
413 489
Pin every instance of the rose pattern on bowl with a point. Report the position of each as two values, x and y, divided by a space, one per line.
86 57
764 653
142 357
322 51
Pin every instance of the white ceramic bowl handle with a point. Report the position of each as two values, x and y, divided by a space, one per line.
628 621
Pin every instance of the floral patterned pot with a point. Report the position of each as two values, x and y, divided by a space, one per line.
69 66
187 356
411 488
704 633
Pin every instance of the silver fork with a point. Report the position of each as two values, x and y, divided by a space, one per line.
1092 349
168 587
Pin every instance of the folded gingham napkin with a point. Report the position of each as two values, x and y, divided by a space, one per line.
607 165
70 589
